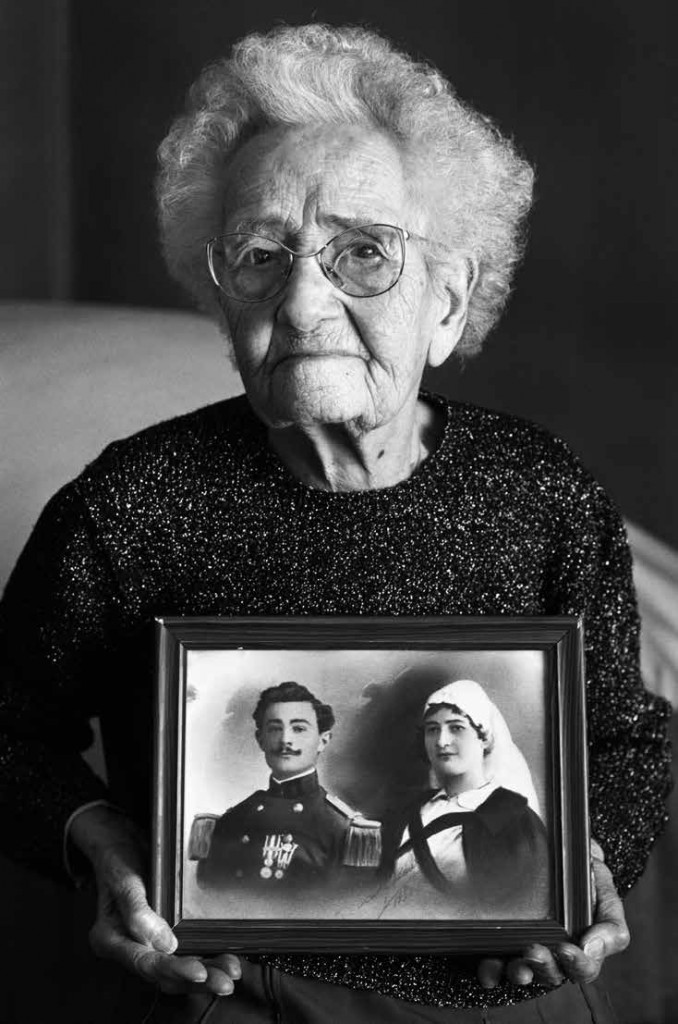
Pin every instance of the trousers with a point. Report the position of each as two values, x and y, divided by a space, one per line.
266 996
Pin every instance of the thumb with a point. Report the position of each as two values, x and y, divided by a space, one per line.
610 933
142 923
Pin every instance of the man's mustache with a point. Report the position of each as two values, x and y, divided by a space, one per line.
286 750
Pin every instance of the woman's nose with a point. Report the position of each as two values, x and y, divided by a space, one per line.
308 297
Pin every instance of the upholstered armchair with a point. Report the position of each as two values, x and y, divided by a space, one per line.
73 378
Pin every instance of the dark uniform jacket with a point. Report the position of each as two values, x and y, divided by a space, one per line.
504 844
294 833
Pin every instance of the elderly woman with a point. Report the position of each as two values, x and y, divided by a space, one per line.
475 836
349 222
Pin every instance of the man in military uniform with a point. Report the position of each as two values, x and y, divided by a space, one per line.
294 833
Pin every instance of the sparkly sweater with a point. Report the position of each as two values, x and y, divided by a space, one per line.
197 516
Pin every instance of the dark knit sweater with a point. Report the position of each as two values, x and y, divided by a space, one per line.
197 516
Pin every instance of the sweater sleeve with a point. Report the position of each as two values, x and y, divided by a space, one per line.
629 750
59 618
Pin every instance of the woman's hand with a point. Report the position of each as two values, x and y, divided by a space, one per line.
126 929
609 934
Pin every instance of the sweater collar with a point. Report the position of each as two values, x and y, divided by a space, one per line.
368 497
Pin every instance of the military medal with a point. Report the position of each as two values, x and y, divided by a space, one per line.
277 853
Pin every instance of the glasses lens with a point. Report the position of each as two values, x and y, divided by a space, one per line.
248 267
365 261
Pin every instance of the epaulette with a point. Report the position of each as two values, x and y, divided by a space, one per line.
341 806
200 839
362 844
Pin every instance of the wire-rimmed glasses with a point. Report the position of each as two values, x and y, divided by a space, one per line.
362 262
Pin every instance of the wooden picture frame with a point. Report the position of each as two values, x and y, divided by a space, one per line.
378 675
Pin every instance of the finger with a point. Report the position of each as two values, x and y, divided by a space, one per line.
490 972
142 923
584 965
610 919
175 969
155 967
158 967
519 973
608 935
544 966
577 965
221 973
226 962
218 982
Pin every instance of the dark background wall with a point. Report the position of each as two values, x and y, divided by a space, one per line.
35 146
587 347
589 91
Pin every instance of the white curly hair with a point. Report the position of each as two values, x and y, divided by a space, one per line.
475 187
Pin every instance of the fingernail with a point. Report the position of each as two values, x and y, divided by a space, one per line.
533 960
166 944
200 975
566 955
595 948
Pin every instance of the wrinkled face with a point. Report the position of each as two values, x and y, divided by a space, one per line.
313 354
453 746
290 738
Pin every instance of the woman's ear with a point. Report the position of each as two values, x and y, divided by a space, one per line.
457 279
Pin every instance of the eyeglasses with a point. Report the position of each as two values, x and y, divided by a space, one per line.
362 262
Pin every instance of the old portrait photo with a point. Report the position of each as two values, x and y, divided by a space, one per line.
366 784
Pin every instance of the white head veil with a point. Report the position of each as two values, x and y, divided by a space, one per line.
504 762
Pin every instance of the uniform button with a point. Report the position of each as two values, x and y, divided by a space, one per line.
245 839
260 807
288 838
279 874
265 872
298 808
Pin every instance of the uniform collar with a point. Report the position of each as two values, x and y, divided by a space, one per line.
471 799
294 789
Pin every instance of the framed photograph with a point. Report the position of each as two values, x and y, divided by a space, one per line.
371 785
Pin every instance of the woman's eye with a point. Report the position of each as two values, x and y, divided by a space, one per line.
256 257
366 251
